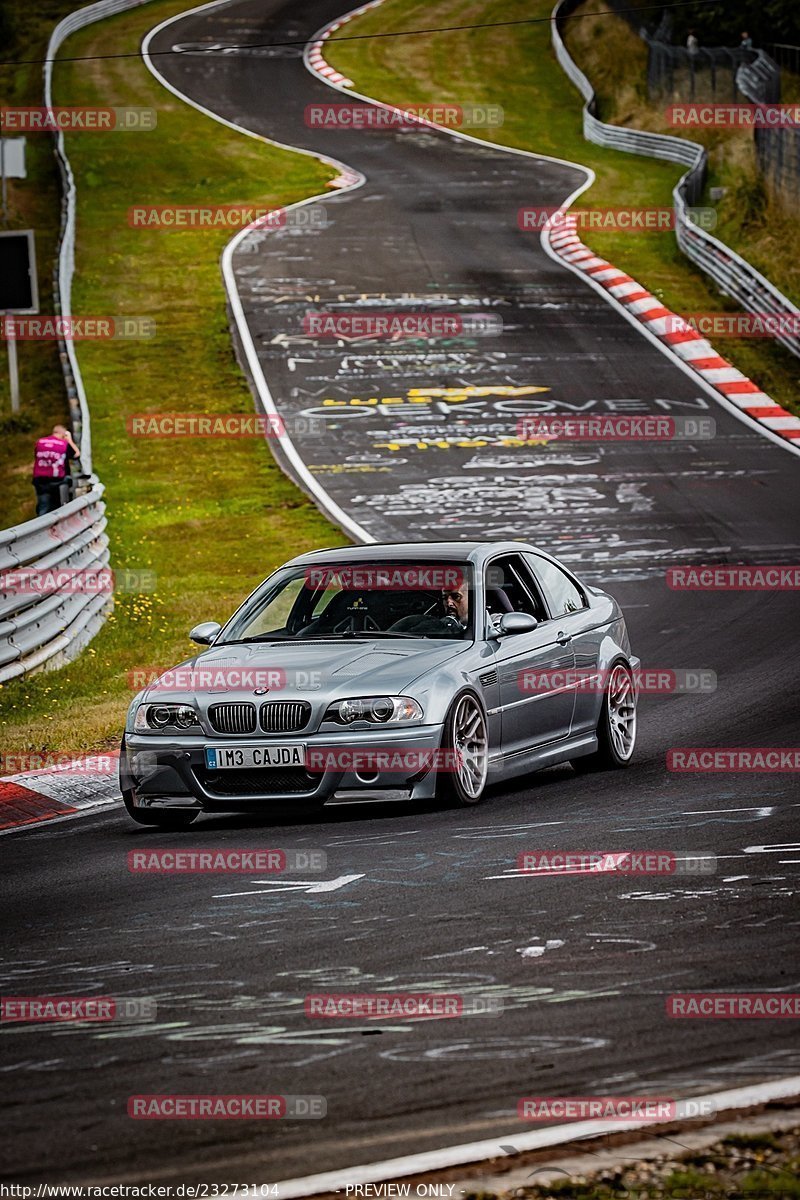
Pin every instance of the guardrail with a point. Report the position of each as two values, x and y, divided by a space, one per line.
48 628
760 78
778 149
48 620
734 276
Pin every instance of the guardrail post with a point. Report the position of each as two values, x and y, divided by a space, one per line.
13 369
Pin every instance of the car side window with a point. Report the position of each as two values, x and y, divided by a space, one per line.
511 588
562 594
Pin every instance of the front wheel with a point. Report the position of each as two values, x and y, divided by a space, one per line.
462 776
164 818
616 729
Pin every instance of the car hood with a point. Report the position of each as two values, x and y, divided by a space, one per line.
296 670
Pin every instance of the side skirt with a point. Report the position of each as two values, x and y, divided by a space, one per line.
510 766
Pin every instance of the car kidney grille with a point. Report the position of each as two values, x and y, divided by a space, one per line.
233 718
284 716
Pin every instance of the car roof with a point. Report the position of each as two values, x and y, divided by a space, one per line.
474 552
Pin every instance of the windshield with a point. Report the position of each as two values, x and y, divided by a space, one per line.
354 600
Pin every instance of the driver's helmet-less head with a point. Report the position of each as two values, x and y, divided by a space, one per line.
456 603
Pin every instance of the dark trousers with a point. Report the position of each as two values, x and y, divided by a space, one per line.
48 495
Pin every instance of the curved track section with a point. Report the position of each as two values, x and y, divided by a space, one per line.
424 436
691 352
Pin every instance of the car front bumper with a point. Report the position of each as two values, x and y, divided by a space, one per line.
170 772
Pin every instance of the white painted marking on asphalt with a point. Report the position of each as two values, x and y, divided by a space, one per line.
643 946
380 839
557 1135
734 878
608 866
287 885
333 885
687 893
455 953
773 848
538 951
700 812
493 831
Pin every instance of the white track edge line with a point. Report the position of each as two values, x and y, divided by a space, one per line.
557 1135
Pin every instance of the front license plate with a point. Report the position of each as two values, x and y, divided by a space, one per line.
226 758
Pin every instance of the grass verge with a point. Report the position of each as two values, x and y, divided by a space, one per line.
514 65
210 518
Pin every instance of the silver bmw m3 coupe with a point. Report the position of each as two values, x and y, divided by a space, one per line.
410 671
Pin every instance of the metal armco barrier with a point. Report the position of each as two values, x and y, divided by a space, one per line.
777 150
48 629
734 276
760 79
51 625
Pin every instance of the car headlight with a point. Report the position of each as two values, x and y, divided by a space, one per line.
379 710
150 717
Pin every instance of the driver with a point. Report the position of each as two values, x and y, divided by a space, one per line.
456 604
453 620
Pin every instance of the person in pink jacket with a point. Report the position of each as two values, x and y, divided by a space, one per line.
51 461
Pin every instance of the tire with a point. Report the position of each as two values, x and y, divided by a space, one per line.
465 731
616 728
164 818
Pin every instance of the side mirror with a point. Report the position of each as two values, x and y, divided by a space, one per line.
516 622
205 632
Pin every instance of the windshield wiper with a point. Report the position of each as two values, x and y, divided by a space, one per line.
258 638
379 633
350 634
346 635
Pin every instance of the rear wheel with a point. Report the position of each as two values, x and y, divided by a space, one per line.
164 818
461 781
616 729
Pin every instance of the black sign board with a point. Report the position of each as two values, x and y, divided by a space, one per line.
18 290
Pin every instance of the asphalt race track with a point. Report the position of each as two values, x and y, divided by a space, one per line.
424 899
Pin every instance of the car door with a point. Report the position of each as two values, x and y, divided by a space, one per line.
535 702
569 605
